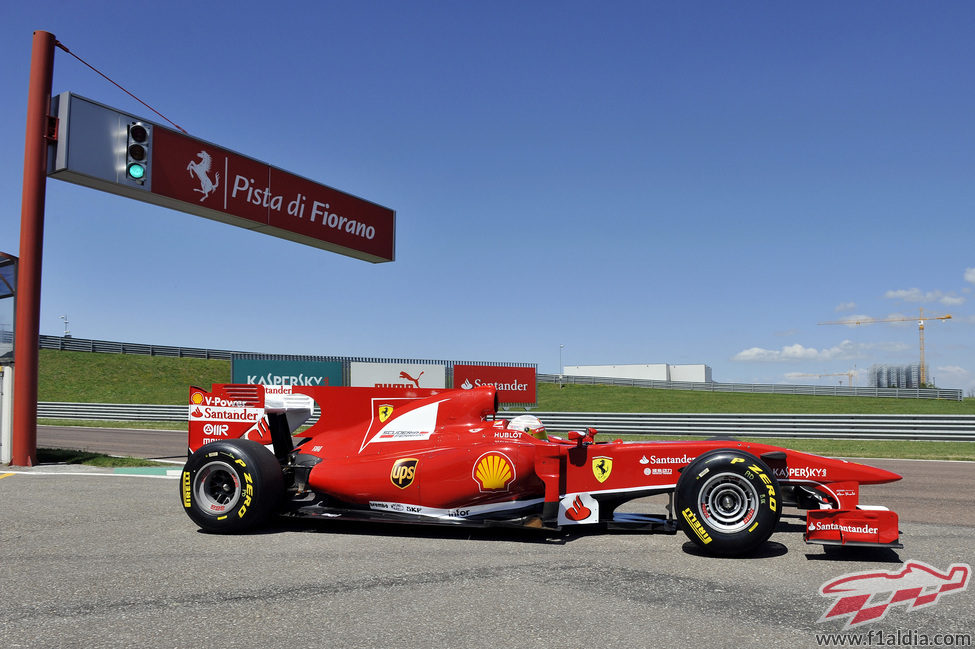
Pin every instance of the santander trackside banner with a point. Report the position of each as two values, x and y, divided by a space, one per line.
514 384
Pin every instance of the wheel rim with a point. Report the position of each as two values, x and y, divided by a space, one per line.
216 487
728 502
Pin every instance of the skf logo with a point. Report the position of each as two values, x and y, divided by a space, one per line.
385 412
864 597
404 470
493 472
602 467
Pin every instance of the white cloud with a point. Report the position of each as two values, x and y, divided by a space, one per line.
955 377
970 275
854 320
887 347
797 352
919 296
954 372
803 377
913 295
845 306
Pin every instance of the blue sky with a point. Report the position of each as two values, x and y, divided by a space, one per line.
641 182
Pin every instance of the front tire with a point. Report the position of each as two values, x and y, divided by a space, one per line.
728 502
231 486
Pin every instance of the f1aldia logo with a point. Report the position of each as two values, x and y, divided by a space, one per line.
865 597
201 169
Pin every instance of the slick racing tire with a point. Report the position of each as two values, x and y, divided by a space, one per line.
231 486
728 502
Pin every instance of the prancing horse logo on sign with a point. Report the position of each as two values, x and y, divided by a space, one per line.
201 170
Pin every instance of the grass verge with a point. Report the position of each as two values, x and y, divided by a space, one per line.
66 456
138 425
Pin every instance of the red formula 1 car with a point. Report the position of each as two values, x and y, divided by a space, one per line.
445 457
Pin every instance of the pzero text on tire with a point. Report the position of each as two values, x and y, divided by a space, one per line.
231 486
728 502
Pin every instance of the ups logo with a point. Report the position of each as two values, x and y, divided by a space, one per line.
403 472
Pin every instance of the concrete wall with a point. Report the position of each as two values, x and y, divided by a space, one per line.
652 372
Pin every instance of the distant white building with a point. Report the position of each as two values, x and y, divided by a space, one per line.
652 372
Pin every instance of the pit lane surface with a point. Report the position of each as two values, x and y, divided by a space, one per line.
110 561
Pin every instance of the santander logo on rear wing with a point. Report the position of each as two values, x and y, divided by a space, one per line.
230 411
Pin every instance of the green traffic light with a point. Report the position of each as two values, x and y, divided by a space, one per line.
136 171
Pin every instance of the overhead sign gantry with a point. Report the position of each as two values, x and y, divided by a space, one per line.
107 149
85 142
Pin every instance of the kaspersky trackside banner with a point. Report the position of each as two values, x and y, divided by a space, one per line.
106 149
514 384
285 372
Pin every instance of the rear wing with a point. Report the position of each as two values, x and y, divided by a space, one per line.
270 414
264 414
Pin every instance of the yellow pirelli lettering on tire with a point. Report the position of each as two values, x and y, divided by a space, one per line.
248 492
187 490
768 485
696 525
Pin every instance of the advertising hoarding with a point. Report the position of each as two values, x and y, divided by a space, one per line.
397 375
514 384
286 372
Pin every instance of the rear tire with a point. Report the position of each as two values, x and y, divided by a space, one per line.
728 502
231 486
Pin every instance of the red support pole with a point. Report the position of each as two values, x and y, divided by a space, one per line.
27 325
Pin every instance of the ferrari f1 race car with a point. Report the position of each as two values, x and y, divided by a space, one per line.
446 457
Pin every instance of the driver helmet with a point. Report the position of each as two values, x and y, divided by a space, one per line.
528 424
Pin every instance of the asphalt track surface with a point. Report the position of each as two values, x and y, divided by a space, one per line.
92 560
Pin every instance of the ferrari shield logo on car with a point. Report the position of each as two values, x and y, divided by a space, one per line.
403 472
602 467
385 412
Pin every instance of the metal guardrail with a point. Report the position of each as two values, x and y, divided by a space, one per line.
880 427
762 388
112 347
111 411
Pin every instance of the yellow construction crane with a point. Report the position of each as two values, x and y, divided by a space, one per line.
848 375
920 328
